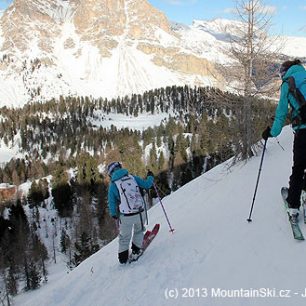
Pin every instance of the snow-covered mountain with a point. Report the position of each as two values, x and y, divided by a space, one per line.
107 49
211 39
97 48
214 256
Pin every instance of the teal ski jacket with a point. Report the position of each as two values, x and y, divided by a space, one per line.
287 100
113 193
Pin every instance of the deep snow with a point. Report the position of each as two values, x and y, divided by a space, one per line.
213 246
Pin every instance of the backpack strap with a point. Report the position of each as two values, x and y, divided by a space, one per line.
125 178
299 97
296 92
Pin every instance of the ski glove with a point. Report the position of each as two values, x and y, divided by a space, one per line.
266 133
150 173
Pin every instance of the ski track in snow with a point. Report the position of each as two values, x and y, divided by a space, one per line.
213 245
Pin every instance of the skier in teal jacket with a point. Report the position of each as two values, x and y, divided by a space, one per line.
125 204
292 69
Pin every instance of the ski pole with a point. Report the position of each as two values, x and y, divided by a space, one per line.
145 208
280 144
260 167
146 212
141 220
171 229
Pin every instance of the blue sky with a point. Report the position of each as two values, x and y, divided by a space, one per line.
289 16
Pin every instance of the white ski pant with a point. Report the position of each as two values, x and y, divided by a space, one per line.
126 226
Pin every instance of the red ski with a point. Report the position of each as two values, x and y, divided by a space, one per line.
147 239
149 236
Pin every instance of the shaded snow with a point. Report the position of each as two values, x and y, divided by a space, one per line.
7 152
213 245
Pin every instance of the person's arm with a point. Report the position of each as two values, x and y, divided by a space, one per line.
281 111
113 196
146 184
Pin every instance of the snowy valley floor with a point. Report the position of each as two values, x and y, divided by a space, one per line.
214 250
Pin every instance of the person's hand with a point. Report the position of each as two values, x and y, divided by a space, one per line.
150 173
115 217
266 133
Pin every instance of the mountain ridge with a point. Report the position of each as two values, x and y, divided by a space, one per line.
107 49
86 53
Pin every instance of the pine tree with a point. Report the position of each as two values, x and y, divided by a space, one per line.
83 249
161 161
62 192
64 238
35 196
252 57
153 159
12 281
34 277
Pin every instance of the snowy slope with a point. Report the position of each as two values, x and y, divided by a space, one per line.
211 39
213 246
293 46
208 42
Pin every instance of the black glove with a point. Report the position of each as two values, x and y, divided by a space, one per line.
150 173
115 217
266 133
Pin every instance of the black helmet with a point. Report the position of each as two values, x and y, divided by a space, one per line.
112 167
283 70
286 65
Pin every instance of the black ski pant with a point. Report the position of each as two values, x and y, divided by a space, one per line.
296 181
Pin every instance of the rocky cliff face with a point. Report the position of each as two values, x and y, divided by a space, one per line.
104 22
30 22
92 47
